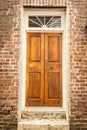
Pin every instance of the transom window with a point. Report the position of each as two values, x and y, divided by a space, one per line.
44 21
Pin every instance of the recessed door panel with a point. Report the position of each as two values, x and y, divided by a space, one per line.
53 85
34 85
53 49
35 48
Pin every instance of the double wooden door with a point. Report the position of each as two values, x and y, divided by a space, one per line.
44 69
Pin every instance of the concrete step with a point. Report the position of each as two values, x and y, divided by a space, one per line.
43 124
43 120
43 115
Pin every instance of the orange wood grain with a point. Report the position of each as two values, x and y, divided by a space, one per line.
44 69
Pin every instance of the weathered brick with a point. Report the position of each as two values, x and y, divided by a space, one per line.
10 22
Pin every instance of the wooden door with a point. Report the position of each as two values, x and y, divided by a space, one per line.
44 69
35 69
53 70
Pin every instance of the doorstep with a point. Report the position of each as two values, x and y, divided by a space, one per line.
43 120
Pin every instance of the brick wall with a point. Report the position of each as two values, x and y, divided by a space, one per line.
9 63
10 11
78 65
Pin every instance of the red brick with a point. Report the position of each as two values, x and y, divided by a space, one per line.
10 56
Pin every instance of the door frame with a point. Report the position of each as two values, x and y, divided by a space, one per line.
65 69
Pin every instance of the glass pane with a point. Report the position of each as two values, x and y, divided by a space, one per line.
33 22
45 21
41 19
55 22
48 18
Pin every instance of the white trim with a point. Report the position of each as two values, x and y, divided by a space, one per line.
44 29
67 67
44 12
24 18
44 109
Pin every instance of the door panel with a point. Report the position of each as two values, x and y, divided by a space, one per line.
34 85
44 69
53 85
53 71
35 69
53 54
35 48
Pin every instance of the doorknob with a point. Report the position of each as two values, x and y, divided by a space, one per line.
51 67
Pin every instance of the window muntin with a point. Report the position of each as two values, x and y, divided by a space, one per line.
44 21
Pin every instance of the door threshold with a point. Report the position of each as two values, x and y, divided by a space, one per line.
44 109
